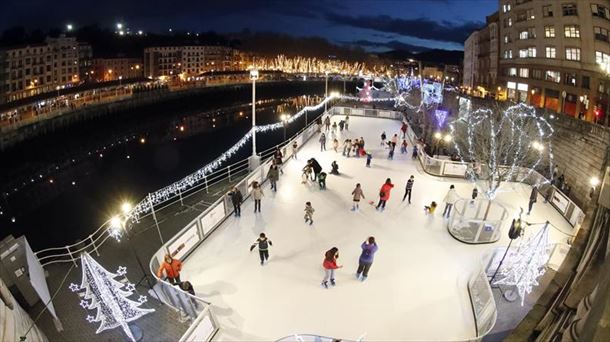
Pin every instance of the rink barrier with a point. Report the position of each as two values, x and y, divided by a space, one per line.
205 224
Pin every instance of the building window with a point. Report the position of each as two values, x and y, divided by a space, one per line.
586 80
547 11
571 31
550 52
601 33
537 74
512 71
507 38
570 79
506 8
600 11
531 52
569 9
523 53
549 31
510 22
508 54
530 14
524 72
573 54
602 58
523 35
521 16
553 76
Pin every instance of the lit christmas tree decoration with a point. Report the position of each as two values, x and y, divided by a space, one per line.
524 266
109 296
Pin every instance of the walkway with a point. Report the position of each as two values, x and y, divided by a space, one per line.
417 286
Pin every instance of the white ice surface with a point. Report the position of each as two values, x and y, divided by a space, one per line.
417 285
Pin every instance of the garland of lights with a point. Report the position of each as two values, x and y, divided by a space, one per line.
501 142
108 296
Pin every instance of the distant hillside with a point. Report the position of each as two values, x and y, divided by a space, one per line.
435 56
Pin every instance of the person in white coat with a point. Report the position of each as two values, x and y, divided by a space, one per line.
450 199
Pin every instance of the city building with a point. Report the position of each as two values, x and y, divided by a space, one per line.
85 61
33 69
109 69
188 61
555 54
481 58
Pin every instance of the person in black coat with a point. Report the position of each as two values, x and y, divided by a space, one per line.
236 199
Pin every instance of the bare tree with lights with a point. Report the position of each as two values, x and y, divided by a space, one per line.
502 144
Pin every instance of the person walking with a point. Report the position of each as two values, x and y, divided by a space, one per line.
263 244
236 199
369 248
273 175
384 194
450 198
409 188
533 199
257 194
172 268
357 195
330 265
322 141
309 210
327 123
295 147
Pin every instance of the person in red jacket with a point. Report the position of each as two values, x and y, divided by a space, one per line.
172 269
330 265
384 194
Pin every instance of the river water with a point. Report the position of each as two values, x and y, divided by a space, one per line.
58 188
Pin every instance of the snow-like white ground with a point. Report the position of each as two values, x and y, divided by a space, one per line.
417 285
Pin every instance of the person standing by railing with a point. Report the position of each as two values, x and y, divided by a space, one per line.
236 199
172 268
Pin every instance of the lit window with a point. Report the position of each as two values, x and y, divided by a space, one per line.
553 76
573 54
523 53
602 58
530 14
524 72
549 31
572 31
550 52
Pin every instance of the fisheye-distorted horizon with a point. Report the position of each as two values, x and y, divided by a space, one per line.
374 25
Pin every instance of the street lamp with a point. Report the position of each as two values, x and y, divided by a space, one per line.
284 118
325 92
438 136
69 27
254 77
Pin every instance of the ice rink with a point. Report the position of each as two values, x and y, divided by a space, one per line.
416 288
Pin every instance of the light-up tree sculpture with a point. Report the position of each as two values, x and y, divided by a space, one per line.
502 144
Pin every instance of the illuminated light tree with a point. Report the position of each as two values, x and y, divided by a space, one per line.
526 264
366 94
109 296
502 145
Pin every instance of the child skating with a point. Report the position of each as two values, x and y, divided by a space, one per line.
263 247
429 209
330 265
309 210
357 195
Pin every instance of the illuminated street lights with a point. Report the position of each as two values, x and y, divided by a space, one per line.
438 137
69 27
254 77
284 118
594 181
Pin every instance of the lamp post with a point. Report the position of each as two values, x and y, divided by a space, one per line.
439 138
254 77
284 118
325 91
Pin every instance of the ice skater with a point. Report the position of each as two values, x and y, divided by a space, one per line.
414 154
369 157
394 142
347 122
369 248
334 168
357 195
316 167
533 199
309 210
475 194
236 199
391 153
347 146
403 129
257 195
322 180
273 175
430 209
322 141
277 159
334 127
450 198
307 171
409 189
383 138
172 268
263 247
330 265
335 144
384 194
403 147
295 147
327 123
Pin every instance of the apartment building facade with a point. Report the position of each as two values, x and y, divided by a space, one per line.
471 62
110 69
34 69
481 58
555 54
188 61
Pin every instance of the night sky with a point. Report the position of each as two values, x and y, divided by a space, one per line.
375 25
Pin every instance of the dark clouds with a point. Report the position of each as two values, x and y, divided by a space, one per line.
392 45
422 28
